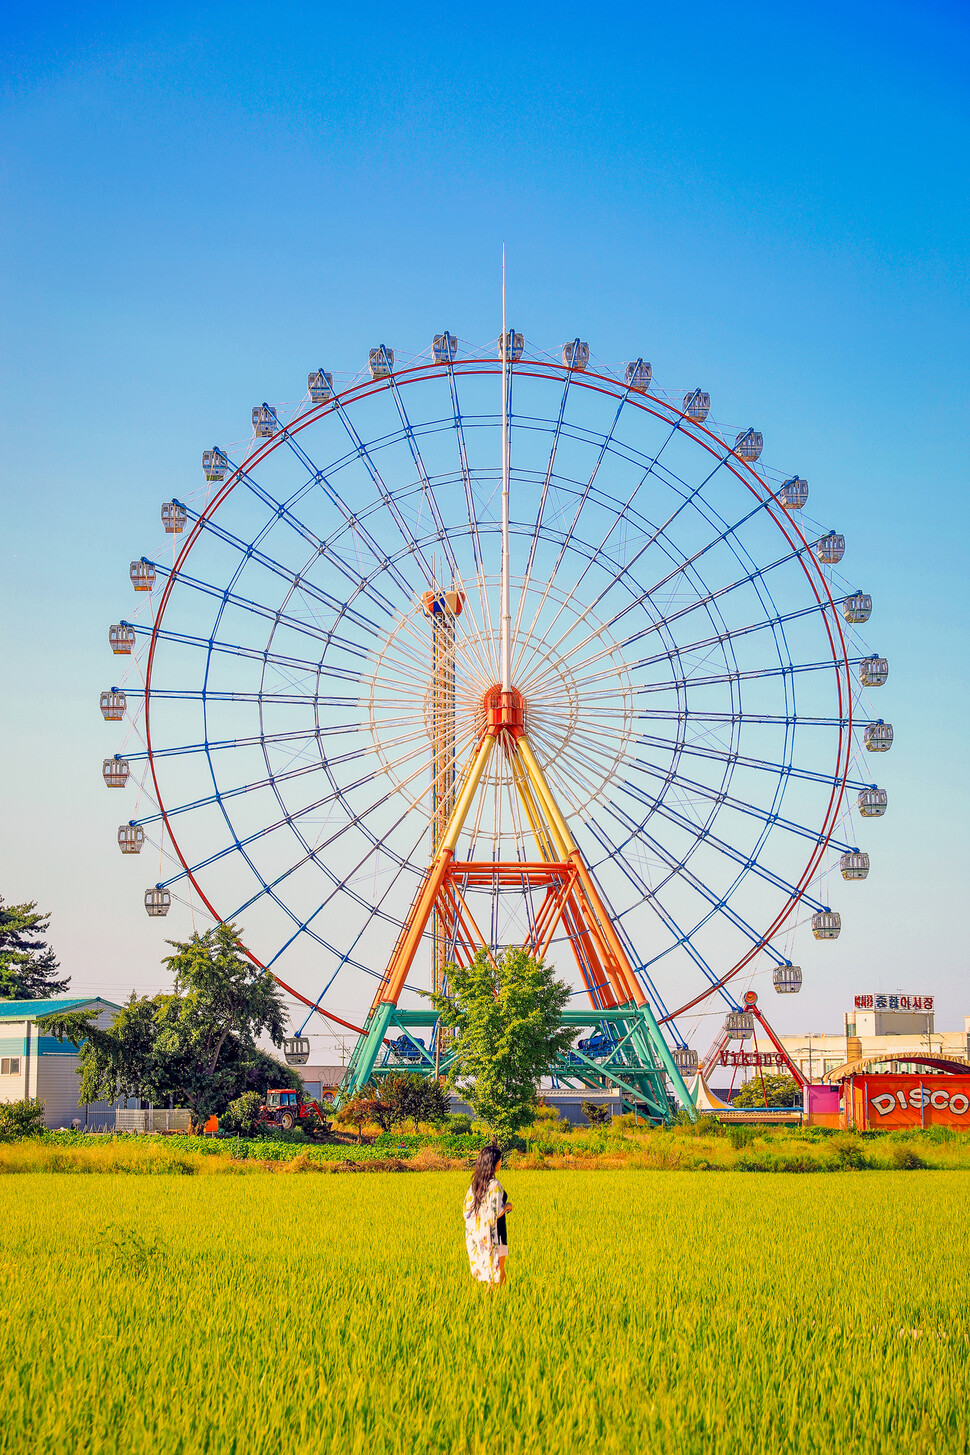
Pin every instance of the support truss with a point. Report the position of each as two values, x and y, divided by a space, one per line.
563 892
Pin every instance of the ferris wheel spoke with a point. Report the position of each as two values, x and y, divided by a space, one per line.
232 598
234 649
281 511
212 694
301 735
754 580
596 556
638 600
339 882
261 558
363 454
735 633
412 642
758 765
288 819
646 896
718 905
466 478
573 763
567 539
219 796
545 491
344 957
700 603
419 465
749 861
702 791
641 594
470 509
222 795
766 719
713 679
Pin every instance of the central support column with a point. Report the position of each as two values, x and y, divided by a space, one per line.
442 608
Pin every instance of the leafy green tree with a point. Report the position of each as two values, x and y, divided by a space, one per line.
28 965
778 1091
505 1011
408 1096
19 1119
434 1102
219 993
197 1046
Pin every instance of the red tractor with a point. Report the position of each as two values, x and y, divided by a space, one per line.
286 1109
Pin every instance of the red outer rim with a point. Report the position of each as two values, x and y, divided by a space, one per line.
660 409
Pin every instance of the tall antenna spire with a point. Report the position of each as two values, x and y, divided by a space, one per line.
506 646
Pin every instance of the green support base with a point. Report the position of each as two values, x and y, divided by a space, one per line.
640 1065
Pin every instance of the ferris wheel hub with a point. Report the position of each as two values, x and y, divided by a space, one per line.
503 711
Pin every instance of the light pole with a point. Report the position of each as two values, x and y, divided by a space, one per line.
817 1035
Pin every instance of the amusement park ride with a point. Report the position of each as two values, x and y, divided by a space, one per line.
568 674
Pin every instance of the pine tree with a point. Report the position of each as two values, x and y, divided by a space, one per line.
28 965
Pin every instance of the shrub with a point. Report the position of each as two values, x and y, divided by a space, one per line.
240 1115
20 1119
459 1125
595 1114
905 1159
847 1150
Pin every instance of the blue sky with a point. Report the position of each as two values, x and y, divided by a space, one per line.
768 202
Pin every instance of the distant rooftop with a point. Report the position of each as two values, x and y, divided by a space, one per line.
29 1010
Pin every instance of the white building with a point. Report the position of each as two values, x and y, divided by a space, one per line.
37 1066
867 1032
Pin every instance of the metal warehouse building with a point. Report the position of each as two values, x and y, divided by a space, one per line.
38 1066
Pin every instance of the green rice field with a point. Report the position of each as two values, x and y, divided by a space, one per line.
645 1311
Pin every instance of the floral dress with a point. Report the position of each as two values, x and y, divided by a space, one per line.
481 1232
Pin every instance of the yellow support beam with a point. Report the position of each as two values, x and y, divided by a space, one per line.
469 788
559 829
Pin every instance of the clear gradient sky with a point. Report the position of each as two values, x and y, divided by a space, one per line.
200 203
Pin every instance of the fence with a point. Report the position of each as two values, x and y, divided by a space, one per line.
177 1119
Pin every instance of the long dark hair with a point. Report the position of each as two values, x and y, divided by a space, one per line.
488 1160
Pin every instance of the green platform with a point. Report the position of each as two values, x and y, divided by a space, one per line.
639 1067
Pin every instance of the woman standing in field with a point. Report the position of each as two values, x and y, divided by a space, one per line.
485 1211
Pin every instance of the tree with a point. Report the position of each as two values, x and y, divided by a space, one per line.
596 1114
505 1010
197 1046
19 1119
218 993
28 965
359 1110
779 1091
408 1096
240 1115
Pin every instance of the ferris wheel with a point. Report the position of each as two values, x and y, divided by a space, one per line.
498 540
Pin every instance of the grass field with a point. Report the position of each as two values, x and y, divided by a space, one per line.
646 1311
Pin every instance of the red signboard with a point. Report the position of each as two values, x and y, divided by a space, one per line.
909 1101
894 1002
751 1058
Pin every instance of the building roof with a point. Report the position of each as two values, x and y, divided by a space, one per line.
30 1010
952 1064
